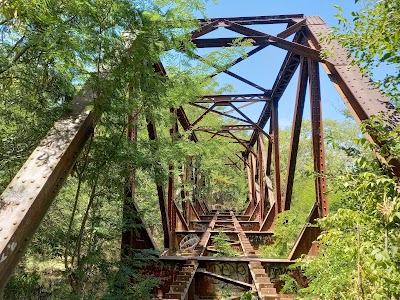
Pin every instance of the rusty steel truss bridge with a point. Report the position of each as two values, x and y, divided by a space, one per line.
187 267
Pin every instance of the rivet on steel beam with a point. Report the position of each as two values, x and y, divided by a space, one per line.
6 237
23 210
38 186
44 176
30 198
15 223
23 181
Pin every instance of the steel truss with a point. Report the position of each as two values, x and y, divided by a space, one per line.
25 201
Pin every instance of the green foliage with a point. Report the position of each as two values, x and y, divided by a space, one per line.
27 286
290 284
224 293
338 150
45 58
221 244
359 245
248 296
286 230
373 37
359 256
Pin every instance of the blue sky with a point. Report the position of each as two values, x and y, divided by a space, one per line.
263 67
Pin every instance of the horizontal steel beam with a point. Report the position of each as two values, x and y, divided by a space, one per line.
261 41
252 32
237 127
229 127
291 18
235 98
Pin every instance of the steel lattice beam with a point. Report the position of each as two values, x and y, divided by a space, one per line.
234 98
25 201
258 20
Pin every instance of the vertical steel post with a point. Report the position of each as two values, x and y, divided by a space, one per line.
318 138
253 177
171 186
249 181
296 129
129 208
261 176
187 194
277 171
151 129
171 192
269 153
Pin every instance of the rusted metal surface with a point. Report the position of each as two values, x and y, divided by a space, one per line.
261 38
292 29
269 219
261 178
179 220
171 185
206 28
258 20
203 115
305 241
235 98
253 177
151 129
135 234
359 93
180 288
276 152
226 279
166 272
227 275
289 67
258 239
27 198
318 139
296 128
